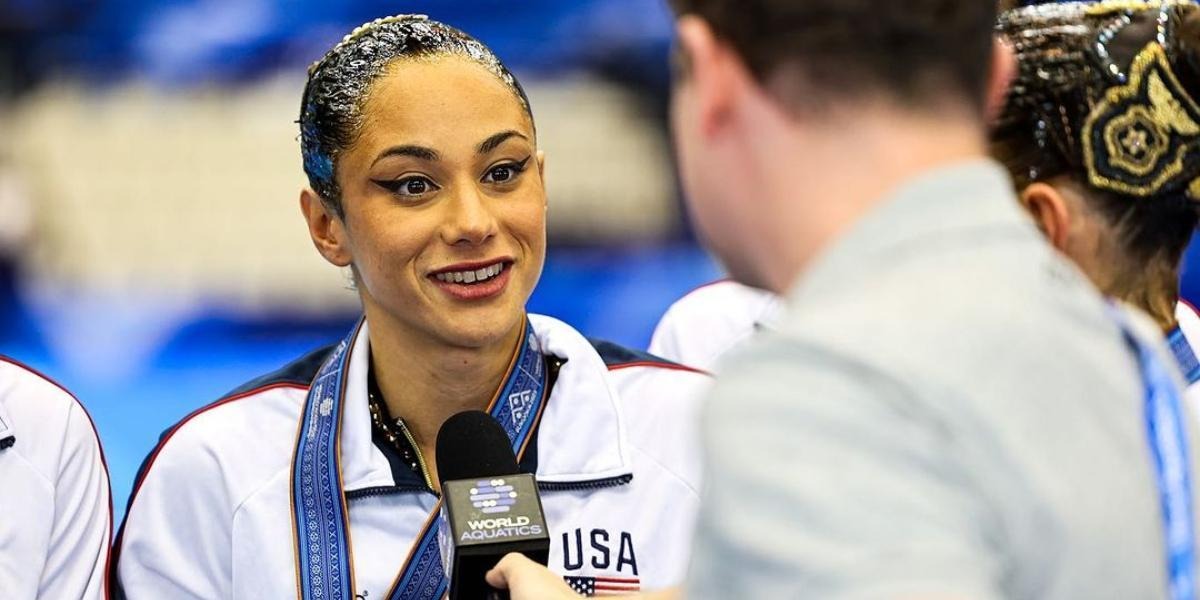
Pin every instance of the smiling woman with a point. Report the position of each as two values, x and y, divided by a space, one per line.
426 181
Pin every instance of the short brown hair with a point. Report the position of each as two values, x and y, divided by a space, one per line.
918 52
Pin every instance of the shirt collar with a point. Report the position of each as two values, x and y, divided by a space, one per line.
953 199
581 436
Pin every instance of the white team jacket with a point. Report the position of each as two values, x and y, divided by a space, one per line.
703 326
616 457
55 507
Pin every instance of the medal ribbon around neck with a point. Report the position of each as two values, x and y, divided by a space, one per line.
1165 432
321 528
1184 355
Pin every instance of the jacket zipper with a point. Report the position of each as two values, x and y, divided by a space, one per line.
384 490
417 450
594 484
549 486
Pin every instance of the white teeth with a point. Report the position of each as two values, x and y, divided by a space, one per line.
471 276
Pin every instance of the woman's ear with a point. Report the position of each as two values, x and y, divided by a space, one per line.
327 230
1049 210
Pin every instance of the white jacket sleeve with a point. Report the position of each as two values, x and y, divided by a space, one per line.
77 561
176 539
665 341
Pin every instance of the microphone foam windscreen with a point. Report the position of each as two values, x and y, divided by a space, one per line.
471 444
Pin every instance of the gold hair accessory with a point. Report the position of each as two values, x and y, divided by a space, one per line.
1141 138
1104 8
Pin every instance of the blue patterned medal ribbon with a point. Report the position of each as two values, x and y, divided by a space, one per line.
1184 355
1172 466
322 531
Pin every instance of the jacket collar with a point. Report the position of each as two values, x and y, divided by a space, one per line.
581 436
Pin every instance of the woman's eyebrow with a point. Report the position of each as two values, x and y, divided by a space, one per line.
421 152
492 142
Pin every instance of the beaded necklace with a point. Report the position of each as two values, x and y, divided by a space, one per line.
394 430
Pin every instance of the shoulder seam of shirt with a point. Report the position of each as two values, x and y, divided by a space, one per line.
32 371
1190 306
617 357
144 472
170 432
298 372
702 286
291 376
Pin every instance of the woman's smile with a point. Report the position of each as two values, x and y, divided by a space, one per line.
474 281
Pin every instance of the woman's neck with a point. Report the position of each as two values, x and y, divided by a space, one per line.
1152 288
425 381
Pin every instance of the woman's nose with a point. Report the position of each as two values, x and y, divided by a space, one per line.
470 220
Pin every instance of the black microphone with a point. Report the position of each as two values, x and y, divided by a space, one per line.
488 508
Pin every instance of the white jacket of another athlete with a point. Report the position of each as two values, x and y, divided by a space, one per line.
55 508
703 326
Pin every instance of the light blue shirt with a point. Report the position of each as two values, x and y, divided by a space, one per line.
944 411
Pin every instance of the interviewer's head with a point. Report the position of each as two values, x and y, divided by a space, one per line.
752 72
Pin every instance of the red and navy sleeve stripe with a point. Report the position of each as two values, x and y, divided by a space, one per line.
617 357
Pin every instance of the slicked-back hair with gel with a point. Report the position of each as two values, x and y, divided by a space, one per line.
339 84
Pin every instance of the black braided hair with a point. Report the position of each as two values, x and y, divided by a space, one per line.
1070 55
338 85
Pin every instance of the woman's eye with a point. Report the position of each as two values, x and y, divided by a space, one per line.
501 174
505 173
409 186
415 187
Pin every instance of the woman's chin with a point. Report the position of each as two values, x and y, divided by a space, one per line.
480 330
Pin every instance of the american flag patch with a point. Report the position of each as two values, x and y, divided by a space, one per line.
603 586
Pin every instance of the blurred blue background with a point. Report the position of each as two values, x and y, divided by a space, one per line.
151 253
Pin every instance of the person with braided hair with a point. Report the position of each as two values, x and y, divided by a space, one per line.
320 480
1101 134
